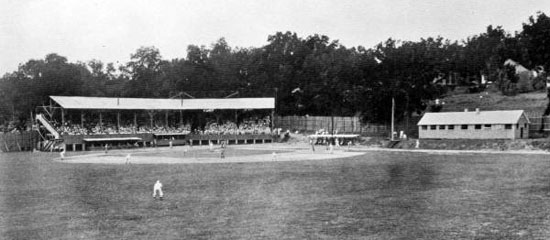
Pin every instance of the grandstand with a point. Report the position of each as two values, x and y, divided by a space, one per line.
83 123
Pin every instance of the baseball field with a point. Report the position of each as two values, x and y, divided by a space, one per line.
292 194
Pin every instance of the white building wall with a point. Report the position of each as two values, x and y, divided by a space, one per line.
496 131
522 123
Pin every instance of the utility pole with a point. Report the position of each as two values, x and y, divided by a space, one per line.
273 112
392 117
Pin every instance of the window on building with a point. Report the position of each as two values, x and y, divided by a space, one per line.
464 126
477 126
487 126
507 126
432 127
441 127
424 127
451 127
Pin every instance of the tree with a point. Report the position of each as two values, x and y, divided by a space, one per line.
535 37
144 69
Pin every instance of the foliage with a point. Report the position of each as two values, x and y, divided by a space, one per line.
313 75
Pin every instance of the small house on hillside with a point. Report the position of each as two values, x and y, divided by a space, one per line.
474 125
525 76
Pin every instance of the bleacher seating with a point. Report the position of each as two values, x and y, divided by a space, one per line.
261 126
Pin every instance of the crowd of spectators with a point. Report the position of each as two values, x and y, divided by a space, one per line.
261 126
76 129
258 126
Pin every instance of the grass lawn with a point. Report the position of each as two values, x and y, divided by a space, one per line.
380 195
534 102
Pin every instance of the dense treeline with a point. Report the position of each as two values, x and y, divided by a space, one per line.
313 75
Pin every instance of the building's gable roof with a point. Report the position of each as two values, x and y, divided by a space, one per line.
162 104
483 117
519 68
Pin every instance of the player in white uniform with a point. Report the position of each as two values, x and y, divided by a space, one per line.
62 154
157 188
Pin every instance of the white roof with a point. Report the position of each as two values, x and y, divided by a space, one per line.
111 139
162 104
333 136
483 117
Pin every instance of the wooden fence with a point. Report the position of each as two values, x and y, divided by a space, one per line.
539 123
315 123
344 125
25 141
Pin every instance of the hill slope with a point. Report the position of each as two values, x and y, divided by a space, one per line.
533 103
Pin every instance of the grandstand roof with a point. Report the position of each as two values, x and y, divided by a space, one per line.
162 104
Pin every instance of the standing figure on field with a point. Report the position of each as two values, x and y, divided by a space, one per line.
157 190
128 159
222 153
62 154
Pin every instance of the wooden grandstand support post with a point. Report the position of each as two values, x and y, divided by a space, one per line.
166 118
100 121
272 119
62 117
81 118
151 115
181 118
118 120
135 119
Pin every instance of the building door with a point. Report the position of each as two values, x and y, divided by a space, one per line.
520 132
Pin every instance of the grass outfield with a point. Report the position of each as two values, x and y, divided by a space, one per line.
379 195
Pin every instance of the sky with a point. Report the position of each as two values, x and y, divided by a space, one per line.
110 31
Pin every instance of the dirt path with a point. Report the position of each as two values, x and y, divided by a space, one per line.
294 152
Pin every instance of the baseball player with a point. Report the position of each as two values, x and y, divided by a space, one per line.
157 188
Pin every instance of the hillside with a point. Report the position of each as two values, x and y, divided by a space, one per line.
533 103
